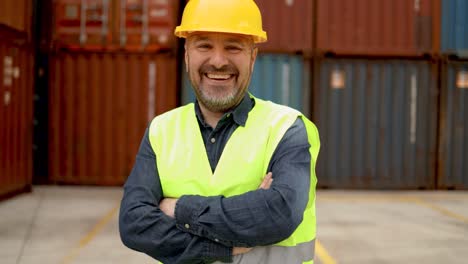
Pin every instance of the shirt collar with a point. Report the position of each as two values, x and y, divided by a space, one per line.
239 113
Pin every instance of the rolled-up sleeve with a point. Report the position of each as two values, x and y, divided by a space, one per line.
260 217
145 228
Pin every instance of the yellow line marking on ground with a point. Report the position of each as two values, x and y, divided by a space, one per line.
90 235
323 255
441 210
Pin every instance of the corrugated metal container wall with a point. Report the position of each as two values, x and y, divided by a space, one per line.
16 102
377 121
115 24
455 27
289 25
99 107
81 23
377 27
281 78
147 24
16 14
453 150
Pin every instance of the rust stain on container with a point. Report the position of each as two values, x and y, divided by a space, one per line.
100 105
453 142
16 118
377 120
289 25
378 27
16 14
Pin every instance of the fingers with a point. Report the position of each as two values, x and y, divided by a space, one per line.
240 250
266 183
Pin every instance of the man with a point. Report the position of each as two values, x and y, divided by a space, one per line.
230 178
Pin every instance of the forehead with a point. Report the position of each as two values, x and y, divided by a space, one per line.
222 37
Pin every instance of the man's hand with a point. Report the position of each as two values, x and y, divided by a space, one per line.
240 250
167 205
266 183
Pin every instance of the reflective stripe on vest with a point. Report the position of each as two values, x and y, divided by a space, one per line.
184 168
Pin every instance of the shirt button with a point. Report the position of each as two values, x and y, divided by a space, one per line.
216 240
187 226
213 140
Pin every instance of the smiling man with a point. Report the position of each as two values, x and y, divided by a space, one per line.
230 177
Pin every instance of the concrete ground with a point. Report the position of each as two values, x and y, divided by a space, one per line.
79 225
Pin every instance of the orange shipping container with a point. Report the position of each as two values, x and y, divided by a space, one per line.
16 91
16 14
147 24
99 107
378 27
83 23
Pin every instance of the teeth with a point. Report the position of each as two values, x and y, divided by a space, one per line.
218 76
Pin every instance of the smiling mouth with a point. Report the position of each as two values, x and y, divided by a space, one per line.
218 76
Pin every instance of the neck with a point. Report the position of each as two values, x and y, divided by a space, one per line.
211 118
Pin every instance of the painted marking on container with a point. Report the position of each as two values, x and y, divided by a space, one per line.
323 254
91 235
413 108
417 5
462 79
152 73
441 210
286 89
71 11
83 35
337 79
289 2
16 72
7 98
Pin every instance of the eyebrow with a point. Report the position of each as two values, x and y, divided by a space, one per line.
242 42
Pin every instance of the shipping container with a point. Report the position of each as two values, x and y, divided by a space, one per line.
378 122
99 107
289 25
83 23
16 14
132 25
378 27
454 28
147 24
16 89
281 78
453 144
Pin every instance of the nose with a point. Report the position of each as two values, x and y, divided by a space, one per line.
218 58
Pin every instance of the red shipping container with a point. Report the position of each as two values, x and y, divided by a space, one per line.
289 25
99 107
147 24
16 92
83 23
16 14
378 27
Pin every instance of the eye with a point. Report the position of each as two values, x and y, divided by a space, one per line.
203 46
233 49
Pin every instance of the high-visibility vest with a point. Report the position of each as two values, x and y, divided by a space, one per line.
184 168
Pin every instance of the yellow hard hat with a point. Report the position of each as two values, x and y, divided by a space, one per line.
227 16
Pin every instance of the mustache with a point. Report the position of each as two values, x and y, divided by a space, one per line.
226 69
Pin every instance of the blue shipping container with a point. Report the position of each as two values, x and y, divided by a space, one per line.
377 120
454 27
281 78
453 150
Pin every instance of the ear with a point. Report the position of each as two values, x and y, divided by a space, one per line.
186 59
253 58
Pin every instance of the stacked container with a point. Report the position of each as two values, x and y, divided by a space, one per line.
453 145
375 93
110 69
16 86
115 25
